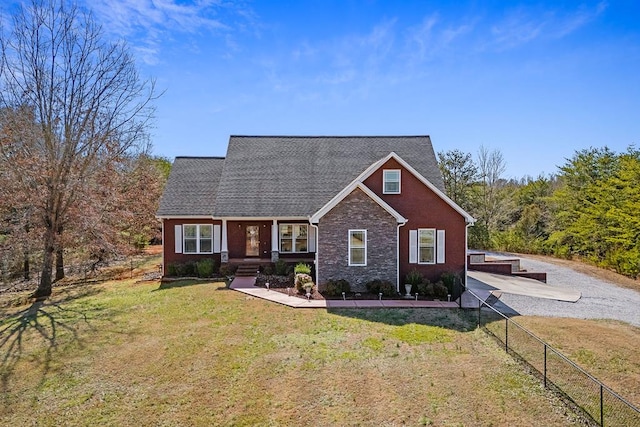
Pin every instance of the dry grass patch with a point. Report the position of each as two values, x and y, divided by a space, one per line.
127 353
606 349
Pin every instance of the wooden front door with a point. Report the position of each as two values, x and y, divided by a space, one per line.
252 246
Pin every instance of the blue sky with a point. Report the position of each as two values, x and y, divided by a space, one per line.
536 80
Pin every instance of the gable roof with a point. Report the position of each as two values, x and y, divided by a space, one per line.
358 183
191 187
295 176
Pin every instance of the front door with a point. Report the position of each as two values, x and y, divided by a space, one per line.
252 247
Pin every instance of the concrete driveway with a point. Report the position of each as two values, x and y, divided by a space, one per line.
599 299
520 286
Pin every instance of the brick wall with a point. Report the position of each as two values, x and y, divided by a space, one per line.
357 211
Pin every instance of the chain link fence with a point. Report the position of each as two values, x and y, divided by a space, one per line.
581 390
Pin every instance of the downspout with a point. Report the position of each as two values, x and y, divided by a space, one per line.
163 243
315 261
400 224
466 256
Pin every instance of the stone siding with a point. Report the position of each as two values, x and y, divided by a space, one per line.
357 211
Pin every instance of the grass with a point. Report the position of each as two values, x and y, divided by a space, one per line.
128 353
607 349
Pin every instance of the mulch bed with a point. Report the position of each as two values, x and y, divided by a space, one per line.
284 284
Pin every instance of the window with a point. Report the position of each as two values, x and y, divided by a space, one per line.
357 247
197 239
294 238
391 184
426 246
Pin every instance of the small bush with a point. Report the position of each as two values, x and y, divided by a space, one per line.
302 282
186 269
302 268
384 287
268 269
335 288
440 290
425 289
172 270
449 280
414 278
206 267
281 268
228 269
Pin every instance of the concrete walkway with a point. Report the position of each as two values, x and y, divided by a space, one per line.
247 286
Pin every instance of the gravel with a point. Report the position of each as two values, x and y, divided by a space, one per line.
600 299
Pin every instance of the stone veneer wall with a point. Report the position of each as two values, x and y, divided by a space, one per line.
357 211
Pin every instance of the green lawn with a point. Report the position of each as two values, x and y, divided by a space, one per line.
125 353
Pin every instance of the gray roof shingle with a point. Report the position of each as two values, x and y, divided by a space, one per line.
191 187
284 176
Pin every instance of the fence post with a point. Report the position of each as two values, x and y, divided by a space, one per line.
506 334
545 365
601 405
479 310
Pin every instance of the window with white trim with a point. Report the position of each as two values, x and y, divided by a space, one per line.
426 246
357 247
197 238
294 238
391 181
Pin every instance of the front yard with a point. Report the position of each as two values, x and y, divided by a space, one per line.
127 353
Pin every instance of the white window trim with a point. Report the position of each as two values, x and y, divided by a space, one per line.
385 180
198 238
351 264
434 231
293 238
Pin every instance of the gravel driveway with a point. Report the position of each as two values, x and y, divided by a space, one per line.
600 299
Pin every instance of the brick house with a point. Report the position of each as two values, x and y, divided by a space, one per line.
358 208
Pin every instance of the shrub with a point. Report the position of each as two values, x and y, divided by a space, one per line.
206 267
425 289
228 269
302 268
335 288
414 278
448 279
303 281
172 270
268 269
281 267
384 287
186 269
440 290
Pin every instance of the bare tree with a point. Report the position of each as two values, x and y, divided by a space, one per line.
492 201
89 103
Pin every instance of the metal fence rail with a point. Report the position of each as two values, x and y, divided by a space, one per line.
594 399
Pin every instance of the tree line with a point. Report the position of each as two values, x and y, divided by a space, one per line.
589 209
76 176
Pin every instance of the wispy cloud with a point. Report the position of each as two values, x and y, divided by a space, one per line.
148 23
524 25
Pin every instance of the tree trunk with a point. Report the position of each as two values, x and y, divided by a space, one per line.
26 266
59 257
44 287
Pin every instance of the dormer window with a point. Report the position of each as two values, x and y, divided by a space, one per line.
391 181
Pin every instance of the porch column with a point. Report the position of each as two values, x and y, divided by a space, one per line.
224 252
275 252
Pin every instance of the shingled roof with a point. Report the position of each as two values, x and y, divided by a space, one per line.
191 187
285 176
